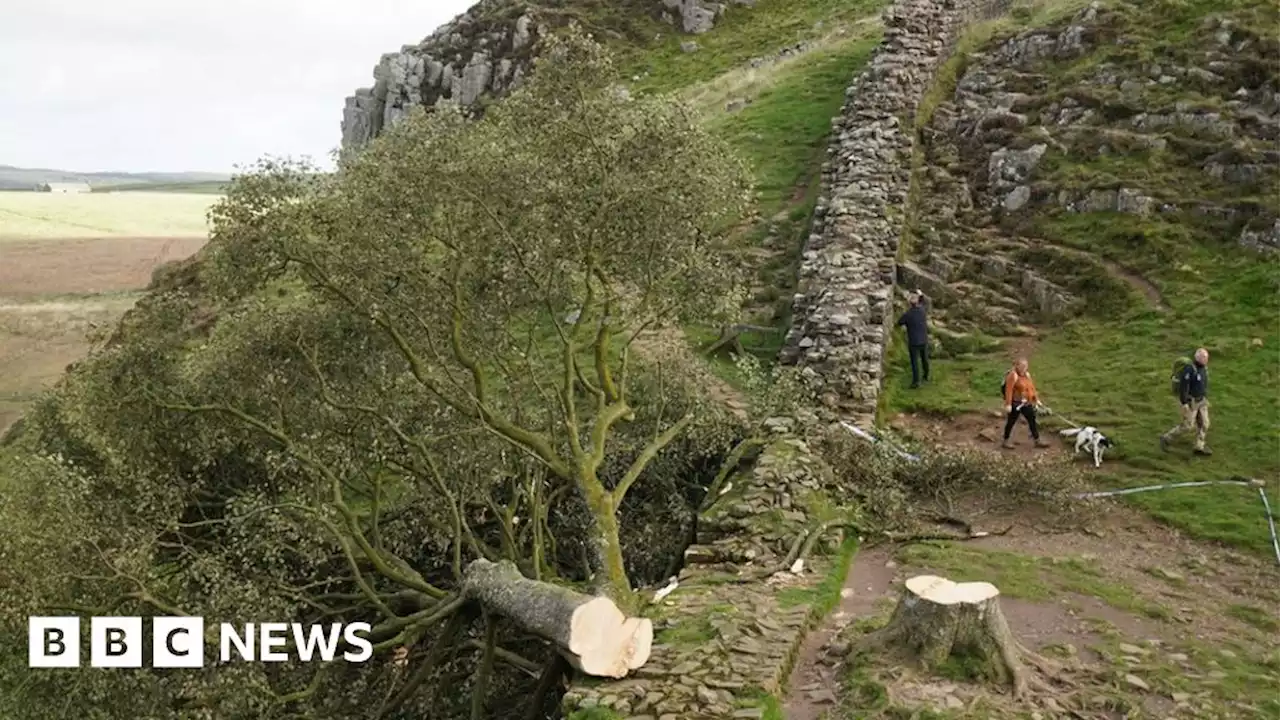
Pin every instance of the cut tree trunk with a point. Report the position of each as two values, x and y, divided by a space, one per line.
937 619
591 632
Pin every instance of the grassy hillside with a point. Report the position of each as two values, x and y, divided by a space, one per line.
1188 285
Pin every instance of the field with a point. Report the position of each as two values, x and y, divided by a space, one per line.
140 214
71 265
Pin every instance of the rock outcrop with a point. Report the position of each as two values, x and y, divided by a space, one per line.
843 311
484 52
1023 143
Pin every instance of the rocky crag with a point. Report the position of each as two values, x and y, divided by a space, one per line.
1187 137
482 54
843 310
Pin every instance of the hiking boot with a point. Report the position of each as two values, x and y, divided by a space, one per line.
1007 444
1203 451
1041 443
1164 443
915 386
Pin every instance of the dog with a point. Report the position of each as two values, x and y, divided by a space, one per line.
1091 440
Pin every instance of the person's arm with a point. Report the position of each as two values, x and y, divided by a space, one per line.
902 321
1009 379
1184 386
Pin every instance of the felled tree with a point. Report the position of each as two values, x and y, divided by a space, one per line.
510 262
414 363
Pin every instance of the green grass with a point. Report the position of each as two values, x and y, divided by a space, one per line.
1027 577
1110 366
824 597
1260 618
138 214
766 701
693 630
1236 681
742 34
1115 375
783 134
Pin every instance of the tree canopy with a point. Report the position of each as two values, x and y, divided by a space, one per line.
371 378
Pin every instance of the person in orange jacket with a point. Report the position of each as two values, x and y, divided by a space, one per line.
1020 400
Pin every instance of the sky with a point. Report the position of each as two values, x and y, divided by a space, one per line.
190 85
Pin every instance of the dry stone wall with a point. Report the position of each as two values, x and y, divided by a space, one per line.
723 638
844 310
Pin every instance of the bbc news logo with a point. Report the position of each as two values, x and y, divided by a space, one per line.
179 642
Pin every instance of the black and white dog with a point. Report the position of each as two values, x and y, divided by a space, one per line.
1090 440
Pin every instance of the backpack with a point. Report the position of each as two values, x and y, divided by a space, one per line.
1175 380
1004 384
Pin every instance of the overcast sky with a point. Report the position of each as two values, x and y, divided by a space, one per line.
176 85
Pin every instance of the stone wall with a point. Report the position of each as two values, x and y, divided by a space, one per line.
723 638
844 310
482 53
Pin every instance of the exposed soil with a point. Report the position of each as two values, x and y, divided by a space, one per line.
41 330
33 268
815 685
1134 279
1193 581
984 431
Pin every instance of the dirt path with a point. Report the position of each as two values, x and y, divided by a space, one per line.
1126 579
814 685
983 431
1131 277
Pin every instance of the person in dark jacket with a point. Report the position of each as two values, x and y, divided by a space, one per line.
917 337
1193 395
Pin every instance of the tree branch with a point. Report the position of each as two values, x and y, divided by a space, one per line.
646 456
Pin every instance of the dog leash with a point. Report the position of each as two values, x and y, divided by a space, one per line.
1050 412
1253 483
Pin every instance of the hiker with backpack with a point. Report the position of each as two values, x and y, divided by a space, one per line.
1020 400
917 337
1190 383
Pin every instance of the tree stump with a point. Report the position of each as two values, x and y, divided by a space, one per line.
591 632
937 619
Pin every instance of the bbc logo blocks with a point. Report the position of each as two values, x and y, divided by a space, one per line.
53 642
116 642
179 642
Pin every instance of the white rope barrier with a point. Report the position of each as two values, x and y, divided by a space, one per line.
1258 484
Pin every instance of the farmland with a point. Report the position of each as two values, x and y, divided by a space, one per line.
140 214
73 264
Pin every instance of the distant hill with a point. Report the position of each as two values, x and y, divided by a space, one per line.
16 178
